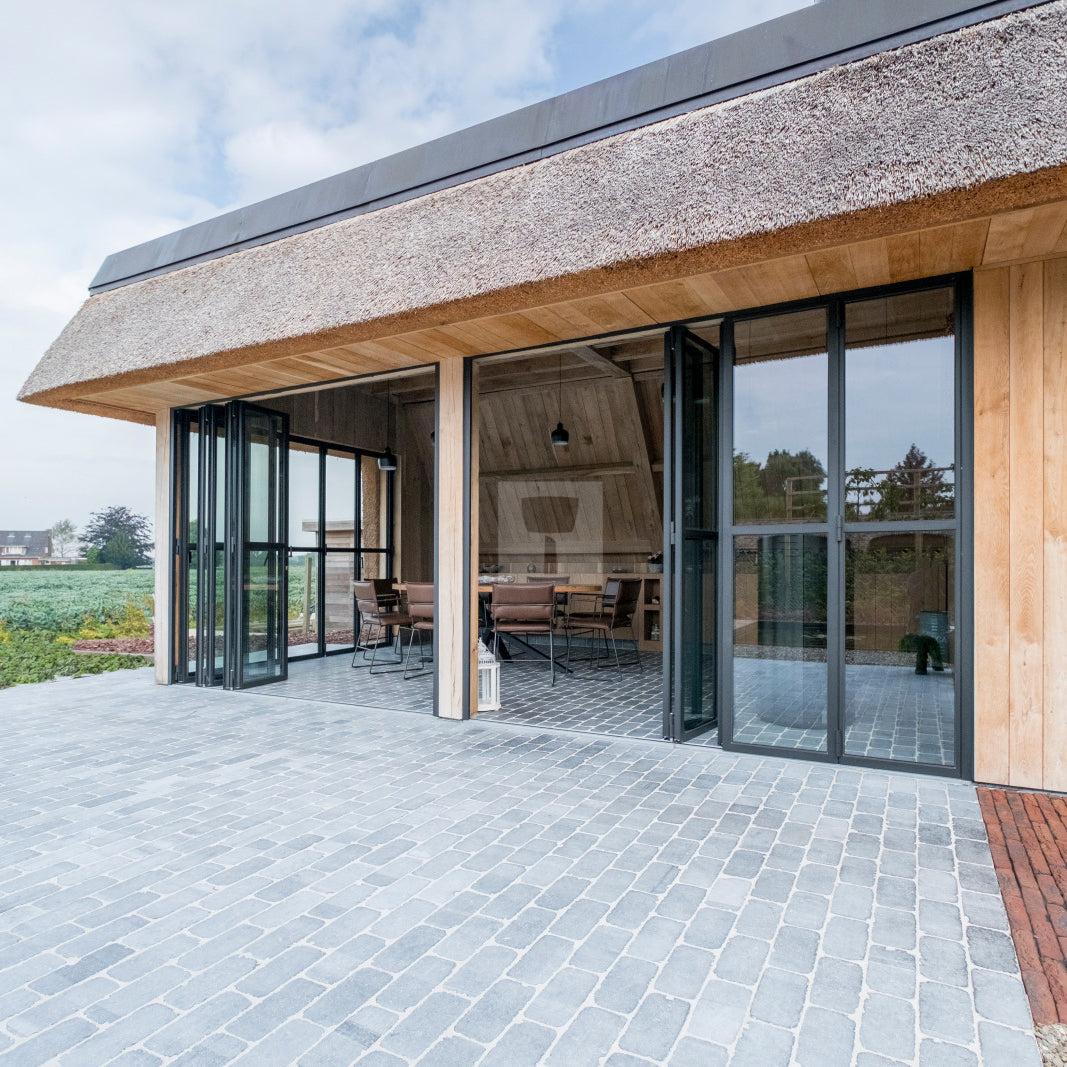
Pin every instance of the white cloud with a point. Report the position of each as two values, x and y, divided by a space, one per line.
122 120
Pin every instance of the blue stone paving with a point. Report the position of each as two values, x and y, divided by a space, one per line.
194 876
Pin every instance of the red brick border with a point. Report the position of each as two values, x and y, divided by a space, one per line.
1028 839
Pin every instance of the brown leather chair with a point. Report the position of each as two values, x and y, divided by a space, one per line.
420 608
378 611
524 609
557 580
613 609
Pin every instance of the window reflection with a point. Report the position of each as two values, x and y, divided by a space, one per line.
900 404
780 418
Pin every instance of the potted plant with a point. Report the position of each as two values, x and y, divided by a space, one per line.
655 563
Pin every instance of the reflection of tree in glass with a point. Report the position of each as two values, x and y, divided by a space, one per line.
787 485
913 488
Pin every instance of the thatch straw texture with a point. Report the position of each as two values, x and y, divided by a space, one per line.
956 112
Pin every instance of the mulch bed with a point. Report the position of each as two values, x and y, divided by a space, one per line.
142 646
1028 840
145 646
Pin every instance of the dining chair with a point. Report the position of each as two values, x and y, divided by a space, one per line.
420 608
378 611
613 609
525 610
561 598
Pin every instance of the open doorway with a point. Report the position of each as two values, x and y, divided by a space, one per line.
570 469
347 490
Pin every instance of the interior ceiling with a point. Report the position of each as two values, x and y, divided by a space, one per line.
1018 235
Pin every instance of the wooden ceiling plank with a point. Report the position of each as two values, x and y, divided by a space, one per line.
1007 236
832 270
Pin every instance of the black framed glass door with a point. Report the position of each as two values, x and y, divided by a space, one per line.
691 554
844 527
257 506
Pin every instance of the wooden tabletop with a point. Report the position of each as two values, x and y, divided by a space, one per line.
402 587
559 588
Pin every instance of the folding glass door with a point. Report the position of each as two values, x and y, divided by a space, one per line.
692 428
230 551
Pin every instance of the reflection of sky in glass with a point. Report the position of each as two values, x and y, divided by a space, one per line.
897 395
303 496
340 489
781 404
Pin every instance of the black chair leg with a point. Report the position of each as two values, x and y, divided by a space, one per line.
551 659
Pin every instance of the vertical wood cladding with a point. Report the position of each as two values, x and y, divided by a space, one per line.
1020 483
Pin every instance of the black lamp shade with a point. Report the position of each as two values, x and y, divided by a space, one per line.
388 461
560 437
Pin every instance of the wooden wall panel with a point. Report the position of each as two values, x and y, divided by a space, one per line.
163 591
451 653
991 535
1026 564
1055 507
1020 579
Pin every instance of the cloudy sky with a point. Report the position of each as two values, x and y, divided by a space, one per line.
122 120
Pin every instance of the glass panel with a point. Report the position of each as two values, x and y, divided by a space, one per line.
261 480
339 609
262 595
187 636
698 633
698 563
900 407
303 603
340 500
780 634
260 618
217 633
372 502
303 496
900 646
193 458
780 418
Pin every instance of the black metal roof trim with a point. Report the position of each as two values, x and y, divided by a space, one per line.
782 50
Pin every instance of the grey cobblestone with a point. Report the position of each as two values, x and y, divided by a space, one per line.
279 881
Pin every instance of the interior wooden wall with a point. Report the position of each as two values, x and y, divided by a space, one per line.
616 432
1020 480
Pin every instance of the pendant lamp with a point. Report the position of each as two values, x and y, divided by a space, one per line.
560 437
387 462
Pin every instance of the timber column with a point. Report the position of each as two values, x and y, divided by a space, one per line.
456 649
164 548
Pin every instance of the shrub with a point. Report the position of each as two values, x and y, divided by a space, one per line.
29 656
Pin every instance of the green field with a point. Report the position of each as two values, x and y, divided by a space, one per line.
43 610
64 601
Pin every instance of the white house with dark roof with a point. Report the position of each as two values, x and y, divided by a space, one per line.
25 548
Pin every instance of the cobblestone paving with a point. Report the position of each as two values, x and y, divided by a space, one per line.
197 877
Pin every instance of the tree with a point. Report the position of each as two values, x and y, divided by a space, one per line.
782 465
120 536
64 534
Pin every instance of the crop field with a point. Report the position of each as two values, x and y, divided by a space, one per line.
45 610
64 601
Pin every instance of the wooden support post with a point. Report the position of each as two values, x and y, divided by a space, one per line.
453 653
164 594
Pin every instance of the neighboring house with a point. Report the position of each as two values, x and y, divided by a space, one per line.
25 548
796 303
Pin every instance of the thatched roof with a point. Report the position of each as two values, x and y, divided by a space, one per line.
964 111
